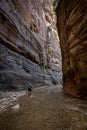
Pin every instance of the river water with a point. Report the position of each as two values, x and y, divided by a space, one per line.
47 109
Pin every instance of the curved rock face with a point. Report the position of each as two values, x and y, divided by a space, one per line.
72 30
29 49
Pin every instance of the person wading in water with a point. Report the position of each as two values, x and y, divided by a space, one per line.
29 89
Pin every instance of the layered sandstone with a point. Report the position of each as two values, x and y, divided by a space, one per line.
72 30
29 49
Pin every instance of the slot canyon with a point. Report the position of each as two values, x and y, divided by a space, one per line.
43 43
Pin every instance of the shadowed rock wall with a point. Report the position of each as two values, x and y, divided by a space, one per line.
72 30
29 49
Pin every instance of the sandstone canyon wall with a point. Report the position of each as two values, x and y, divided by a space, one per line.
72 30
29 49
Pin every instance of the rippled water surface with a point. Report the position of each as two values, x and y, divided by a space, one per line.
47 109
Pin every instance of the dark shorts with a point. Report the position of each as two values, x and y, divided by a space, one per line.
29 89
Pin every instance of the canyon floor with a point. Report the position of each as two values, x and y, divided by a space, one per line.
47 109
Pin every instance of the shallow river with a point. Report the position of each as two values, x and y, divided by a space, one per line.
47 109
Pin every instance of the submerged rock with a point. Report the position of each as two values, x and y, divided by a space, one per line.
16 107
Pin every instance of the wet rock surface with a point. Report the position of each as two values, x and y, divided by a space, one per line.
9 98
48 109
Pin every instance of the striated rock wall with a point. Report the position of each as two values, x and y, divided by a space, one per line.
29 49
72 30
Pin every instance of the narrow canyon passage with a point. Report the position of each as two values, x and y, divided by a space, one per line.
43 43
47 109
